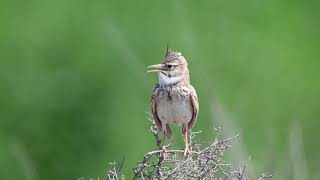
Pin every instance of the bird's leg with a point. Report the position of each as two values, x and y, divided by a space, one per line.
186 144
164 149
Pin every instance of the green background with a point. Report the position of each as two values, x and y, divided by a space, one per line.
74 91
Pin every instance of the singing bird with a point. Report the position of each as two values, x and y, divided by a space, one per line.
174 99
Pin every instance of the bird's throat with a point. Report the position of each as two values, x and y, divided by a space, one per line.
165 80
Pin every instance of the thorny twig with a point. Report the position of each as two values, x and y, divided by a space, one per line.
202 163
114 172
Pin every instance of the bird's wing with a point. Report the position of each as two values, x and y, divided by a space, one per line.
166 129
195 107
154 109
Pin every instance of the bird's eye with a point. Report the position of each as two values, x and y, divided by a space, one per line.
169 66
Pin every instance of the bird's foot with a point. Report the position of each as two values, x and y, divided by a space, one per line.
186 152
164 153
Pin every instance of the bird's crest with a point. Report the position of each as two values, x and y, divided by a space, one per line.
172 55
169 50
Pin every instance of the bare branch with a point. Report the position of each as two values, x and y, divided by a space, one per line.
202 163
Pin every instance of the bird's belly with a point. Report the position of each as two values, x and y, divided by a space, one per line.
175 111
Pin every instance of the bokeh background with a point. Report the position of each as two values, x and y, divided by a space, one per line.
74 91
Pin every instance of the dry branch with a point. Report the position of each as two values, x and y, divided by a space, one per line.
202 163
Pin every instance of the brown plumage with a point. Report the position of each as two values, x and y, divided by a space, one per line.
174 99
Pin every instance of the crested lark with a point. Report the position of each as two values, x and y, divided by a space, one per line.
174 100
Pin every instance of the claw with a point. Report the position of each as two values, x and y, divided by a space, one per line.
186 152
164 153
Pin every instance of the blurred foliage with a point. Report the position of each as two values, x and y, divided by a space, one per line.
74 88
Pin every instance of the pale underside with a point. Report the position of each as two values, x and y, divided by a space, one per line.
174 104
174 109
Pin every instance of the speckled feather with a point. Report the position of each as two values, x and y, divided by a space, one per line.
175 100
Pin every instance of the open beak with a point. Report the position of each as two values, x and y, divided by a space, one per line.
155 68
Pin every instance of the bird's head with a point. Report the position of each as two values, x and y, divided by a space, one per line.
173 69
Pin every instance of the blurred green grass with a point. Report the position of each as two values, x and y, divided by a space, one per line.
74 90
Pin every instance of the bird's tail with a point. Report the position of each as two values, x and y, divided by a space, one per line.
168 132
